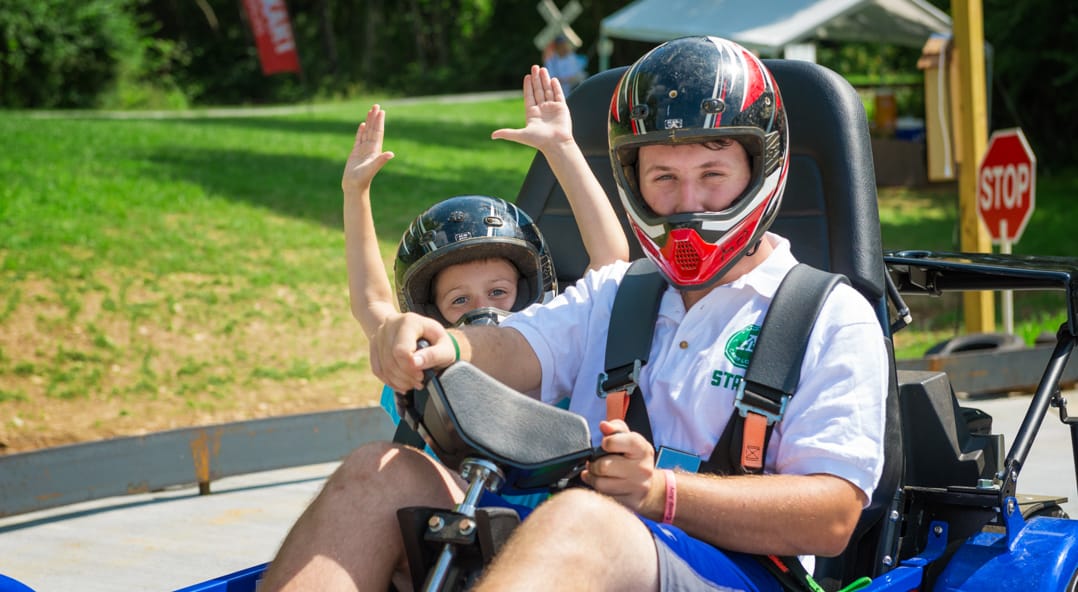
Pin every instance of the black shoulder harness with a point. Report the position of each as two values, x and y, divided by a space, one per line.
771 379
772 376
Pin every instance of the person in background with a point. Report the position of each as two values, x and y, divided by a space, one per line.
565 64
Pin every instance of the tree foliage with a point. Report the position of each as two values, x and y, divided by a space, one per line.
1034 75
130 53
56 53
405 46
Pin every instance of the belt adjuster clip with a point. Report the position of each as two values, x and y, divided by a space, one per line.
629 387
744 407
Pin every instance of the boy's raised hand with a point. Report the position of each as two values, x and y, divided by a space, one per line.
367 157
546 114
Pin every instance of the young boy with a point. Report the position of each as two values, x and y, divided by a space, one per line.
548 129
487 258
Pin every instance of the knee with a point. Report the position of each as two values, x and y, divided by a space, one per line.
576 500
390 470
371 463
580 511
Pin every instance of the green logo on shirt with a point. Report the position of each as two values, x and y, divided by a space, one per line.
739 347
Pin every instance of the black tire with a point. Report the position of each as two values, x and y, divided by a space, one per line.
977 342
1048 511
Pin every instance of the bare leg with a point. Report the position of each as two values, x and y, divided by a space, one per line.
349 538
578 540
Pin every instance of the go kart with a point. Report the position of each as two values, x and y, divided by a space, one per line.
947 514
956 521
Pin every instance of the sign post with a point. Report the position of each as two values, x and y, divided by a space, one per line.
1006 194
971 133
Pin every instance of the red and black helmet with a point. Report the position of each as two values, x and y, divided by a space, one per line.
691 90
468 228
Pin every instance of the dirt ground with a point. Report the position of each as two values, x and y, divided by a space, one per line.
124 357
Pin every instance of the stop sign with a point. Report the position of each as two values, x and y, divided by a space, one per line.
1006 183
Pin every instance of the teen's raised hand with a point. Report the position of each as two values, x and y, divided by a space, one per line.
367 157
546 114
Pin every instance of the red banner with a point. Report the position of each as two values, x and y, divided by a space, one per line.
273 34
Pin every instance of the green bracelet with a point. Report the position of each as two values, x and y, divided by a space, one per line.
456 346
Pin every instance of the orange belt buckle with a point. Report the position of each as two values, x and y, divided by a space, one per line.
754 430
617 405
752 441
617 402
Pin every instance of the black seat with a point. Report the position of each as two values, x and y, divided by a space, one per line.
829 213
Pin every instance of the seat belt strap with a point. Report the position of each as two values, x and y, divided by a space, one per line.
762 395
617 404
774 370
405 432
406 435
753 441
628 344
790 573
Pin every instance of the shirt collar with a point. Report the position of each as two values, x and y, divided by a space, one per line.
764 278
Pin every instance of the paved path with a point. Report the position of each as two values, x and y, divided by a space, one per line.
168 540
1049 469
159 541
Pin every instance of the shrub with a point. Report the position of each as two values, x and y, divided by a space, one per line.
149 78
62 53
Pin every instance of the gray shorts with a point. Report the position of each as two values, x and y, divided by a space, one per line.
675 575
689 564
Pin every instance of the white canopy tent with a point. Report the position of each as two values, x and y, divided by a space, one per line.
769 27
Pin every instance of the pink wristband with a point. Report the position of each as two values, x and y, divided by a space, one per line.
670 507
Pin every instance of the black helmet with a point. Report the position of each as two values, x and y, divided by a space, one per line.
467 228
696 89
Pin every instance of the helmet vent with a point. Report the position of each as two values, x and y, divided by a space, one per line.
686 257
713 106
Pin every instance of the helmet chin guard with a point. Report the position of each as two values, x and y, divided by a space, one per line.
487 315
700 90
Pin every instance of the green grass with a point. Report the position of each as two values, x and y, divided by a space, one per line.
155 273
926 218
196 266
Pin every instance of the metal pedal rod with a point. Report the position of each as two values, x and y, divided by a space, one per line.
480 474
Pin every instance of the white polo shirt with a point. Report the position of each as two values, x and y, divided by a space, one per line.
833 424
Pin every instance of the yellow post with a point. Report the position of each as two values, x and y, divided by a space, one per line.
968 22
